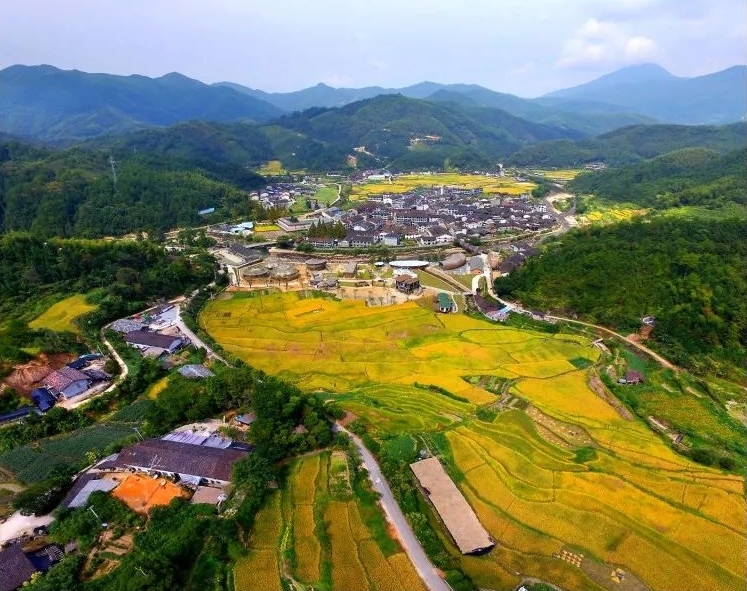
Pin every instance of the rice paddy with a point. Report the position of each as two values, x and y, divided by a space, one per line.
630 503
311 536
59 317
410 182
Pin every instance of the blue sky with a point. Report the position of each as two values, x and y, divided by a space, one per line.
525 47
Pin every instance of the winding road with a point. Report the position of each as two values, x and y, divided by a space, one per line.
397 519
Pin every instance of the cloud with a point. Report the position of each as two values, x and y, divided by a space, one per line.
604 43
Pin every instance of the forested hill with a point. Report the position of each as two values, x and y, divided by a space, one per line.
71 192
52 104
689 274
694 176
631 144
408 133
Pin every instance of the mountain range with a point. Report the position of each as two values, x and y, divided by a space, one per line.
53 105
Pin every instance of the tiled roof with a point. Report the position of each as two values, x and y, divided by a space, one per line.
15 568
150 339
62 378
181 458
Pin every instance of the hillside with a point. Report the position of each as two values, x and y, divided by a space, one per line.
692 176
52 105
689 274
408 133
631 144
652 91
70 192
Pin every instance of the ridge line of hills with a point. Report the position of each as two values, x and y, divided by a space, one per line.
53 105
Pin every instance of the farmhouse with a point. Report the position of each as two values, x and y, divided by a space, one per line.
43 399
458 517
191 463
445 303
632 377
67 382
407 283
146 340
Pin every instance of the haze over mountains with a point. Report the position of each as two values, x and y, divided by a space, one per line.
48 104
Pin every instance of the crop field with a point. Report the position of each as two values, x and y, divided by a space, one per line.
409 182
59 317
260 569
34 462
628 501
330 545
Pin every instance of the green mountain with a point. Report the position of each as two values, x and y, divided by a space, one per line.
692 176
589 121
650 90
407 133
46 103
631 144
71 192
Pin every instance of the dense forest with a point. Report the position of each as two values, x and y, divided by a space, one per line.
72 192
693 176
630 145
689 274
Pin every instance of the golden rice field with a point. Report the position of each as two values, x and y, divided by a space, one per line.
305 506
669 523
260 569
408 182
60 316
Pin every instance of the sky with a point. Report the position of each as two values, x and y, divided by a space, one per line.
524 47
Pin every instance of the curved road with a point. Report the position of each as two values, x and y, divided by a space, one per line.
394 515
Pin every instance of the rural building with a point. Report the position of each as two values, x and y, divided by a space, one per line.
316 264
43 399
632 377
445 303
407 283
14 415
350 269
455 512
194 464
67 382
146 340
195 371
15 568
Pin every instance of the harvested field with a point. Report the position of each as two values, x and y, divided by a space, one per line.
141 493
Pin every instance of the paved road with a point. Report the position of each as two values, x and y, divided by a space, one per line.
394 515
196 341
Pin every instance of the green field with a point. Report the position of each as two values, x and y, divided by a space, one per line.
409 182
628 502
59 317
319 533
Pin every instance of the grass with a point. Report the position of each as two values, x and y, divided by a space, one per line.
410 182
622 497
60 316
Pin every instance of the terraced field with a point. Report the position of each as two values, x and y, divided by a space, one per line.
313 534
569 489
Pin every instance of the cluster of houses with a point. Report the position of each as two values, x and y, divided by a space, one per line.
153 332
433 217
76 380
285 195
